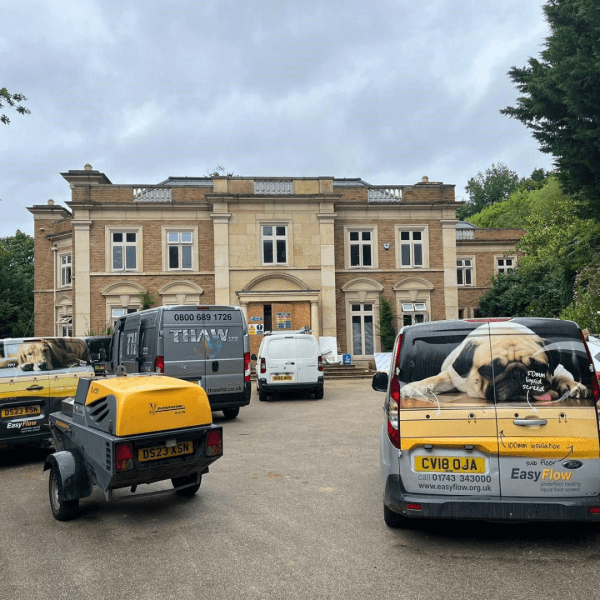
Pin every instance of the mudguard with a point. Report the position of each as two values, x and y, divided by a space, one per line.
74 478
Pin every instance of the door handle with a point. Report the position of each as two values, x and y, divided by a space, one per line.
35 388
530 422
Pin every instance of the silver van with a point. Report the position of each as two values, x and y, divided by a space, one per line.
490 419
205 344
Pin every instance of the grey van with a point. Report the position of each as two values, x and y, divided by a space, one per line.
205 344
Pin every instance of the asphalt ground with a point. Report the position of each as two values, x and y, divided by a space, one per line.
292 510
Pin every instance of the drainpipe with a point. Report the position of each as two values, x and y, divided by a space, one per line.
54 251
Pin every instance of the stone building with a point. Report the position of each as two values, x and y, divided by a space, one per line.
316 251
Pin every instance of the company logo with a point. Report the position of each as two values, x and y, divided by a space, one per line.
572 464
176 408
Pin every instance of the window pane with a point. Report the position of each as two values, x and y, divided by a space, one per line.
368 307
420 306
267 251
173 257
186 257
280 230
467 263
408 307
354 255
130 256
418 250
356 336
281 254
354 236
131 237
367 255
186 237
369 335
356 307
459 277
468 276
117 257
173 238
117 237
407 320
416 235
419 318
366 235
267 230
509 262
500 262
405 250
405 235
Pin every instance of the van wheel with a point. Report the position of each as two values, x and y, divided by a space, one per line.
188 491
62 510
262 396
393 519
231 413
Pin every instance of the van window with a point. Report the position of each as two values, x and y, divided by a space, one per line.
305 347
285 348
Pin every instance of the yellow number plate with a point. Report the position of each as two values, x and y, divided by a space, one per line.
450 464
21 411
282 378
158 452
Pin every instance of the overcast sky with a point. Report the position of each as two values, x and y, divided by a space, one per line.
385 91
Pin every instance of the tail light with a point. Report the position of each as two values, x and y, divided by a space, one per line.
263 365
159 364
214 443
124 457
320 363
394 399
246 366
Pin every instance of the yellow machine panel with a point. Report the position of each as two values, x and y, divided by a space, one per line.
145 404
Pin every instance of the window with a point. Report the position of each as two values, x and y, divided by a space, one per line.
274 244
65 325
180 246
115 313
361 248
414 312
505 263
65 270
412 247
363 341
124 250
464 271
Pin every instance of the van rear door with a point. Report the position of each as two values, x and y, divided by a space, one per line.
307 359
547 418
281 360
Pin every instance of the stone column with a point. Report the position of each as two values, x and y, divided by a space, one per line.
81 283
220 218
449 253
326 218
314 317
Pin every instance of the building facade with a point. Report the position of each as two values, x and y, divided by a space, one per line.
315 251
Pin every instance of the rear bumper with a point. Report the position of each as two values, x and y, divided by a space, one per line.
289 387
231 400
488 507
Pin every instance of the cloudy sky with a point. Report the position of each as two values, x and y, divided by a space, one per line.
387 91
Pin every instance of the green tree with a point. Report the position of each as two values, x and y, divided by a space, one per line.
485 189
16 285
14 101
585 308
559 101
387 333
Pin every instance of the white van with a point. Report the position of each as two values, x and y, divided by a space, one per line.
289 362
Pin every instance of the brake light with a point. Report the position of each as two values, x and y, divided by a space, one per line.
214 443
594 510
263 365
246 366
124 457
159 364
320 359
394 399
413 506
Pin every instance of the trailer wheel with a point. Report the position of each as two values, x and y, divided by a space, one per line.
231 413
188 491
62 510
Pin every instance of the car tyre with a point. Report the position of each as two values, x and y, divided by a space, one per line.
262 396
62 510
319 393
188 491
393 519
231 413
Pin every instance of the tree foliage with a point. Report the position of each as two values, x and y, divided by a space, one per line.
387 332
13 100
16 285
485 189
559 101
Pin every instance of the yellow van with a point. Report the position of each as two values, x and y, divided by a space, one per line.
35 375
490 419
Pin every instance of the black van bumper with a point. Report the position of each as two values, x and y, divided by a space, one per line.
272 388
501 508
231 400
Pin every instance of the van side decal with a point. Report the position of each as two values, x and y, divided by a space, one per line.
196 335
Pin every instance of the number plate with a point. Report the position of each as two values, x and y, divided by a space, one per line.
158 452
282 378
21 411
450 464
